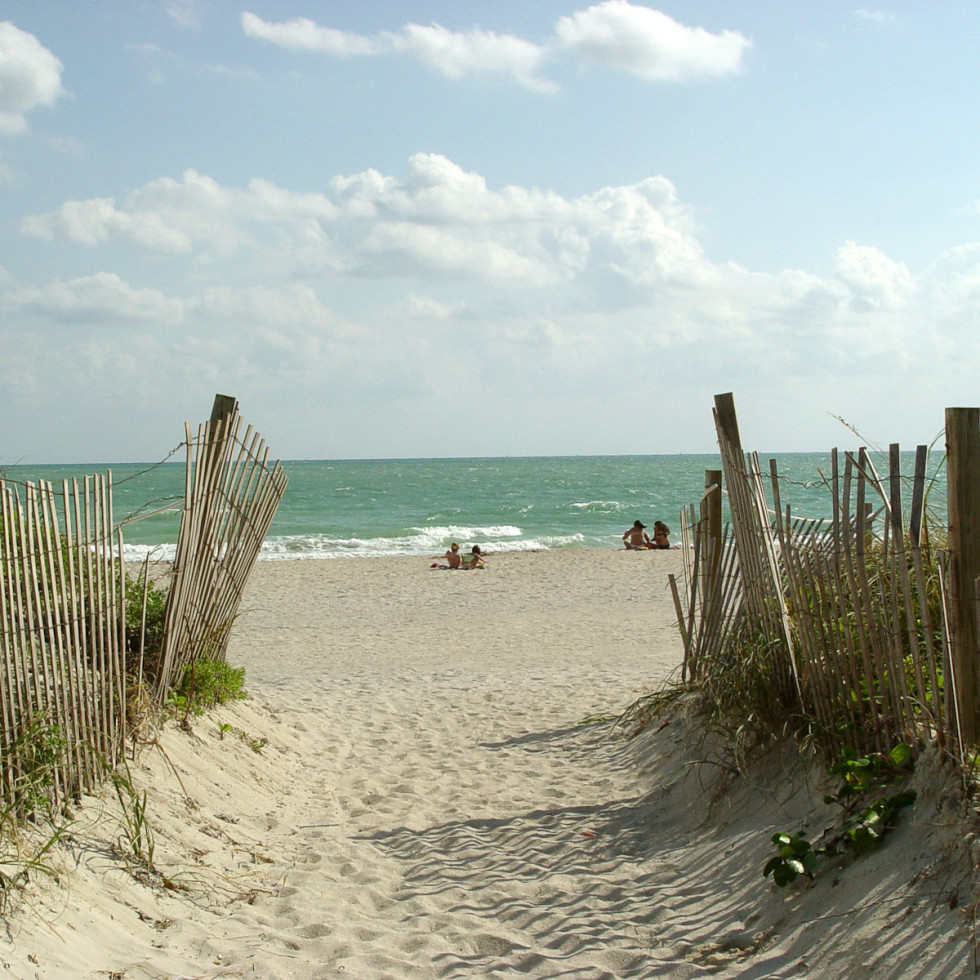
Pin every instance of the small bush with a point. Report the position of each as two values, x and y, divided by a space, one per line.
863 827
156 607
207 682
31 759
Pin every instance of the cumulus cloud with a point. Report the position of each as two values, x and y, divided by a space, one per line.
454 54
369 277
102 297
274 304
876 281
303 34
175 216
30 76
613 34
395 282
649 44
440 221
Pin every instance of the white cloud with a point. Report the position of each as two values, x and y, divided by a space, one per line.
649 44
454 54
177 216
613 34
97 220
184 13
278 305
874 16
102 297
412 250
440 221
30 76
392 282
305 35
447 220
428 308
876 281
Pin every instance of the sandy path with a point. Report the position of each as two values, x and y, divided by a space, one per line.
458 799
440 798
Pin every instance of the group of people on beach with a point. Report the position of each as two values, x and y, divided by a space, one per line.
455 559
637 539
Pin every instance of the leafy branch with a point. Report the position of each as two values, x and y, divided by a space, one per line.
862 829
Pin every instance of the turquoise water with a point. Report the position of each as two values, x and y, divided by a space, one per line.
337 508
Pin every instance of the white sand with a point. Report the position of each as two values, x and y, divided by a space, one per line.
430 804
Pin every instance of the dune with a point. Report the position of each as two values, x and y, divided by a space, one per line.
428 782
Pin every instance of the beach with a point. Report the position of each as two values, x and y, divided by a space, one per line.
428 781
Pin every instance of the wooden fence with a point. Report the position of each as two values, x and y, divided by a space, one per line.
61 632
232 493
851 614
64 675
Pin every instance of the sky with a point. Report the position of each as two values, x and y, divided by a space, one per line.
428 228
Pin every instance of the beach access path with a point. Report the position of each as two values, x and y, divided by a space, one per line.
428 784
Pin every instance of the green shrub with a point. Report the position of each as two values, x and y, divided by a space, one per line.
795 856
31 759
207 682
864 824
156 608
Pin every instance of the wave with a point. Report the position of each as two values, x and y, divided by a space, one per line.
425 541
155 552
600 506
421 541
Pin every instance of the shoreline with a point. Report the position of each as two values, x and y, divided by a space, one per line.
166 552
441 793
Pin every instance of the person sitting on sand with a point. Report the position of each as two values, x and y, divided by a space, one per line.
474 559
660 532
453 558
636 538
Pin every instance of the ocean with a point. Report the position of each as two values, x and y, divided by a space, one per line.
345 508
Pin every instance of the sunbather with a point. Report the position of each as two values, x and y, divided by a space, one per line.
636 538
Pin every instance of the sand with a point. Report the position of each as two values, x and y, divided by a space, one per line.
427 783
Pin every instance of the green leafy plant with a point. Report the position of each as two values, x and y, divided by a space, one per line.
205 683
30 759
865 833
254 743
794 857
861 773
152 638
862 830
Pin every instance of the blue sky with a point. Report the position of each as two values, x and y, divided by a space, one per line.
485 228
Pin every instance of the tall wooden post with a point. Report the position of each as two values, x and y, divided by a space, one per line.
711 519
223 406
963 505
727 419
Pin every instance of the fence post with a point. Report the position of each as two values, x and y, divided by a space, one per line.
963 510
223 406
711 519
727 420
